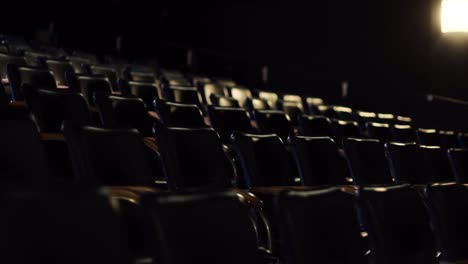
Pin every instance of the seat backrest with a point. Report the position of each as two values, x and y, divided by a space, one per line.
179 115
22 153
366 161
6 59
447 205
463 140
379 131
228 120
71 225
108 156
179 94
270 97
459 163
252 104
223 101
241 94
219 229
273 121
193 158
343 129
293 110
448 139
141 75
318 161
148 92
213 88
398 225
51 108
436 164
124 112
78 63
403 133
109 72
319 226
38 78
315 126
406 162
59 68
428 137
89 85
311 104
264 159
386 118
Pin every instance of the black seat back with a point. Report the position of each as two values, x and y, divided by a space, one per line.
319 226
227 120
459 162
379 131
436 164
343 129
256 104
398 225
264 159
315 126
89 85
179 115
406 162
148 92
273 121
193 158
318 161
366 161
428 137
59 68
36 77
403 133
108 71
219 229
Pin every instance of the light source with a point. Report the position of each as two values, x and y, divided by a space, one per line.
454 16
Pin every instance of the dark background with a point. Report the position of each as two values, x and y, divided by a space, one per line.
391 52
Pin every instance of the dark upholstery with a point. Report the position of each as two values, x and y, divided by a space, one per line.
223 101
36 77
319 226
318 161
345 129
379 131
228 120
209 228
148 92
252 104
366 161
193 158
108 71
398 225
59 68
403 133
428 137
273 121
179 115
436 163
264 159
459 163
406 162
315 126
89 85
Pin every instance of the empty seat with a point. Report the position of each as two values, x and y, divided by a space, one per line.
366 161
38 78
447 205
270 97
124 112
386 118
112 157
178 94
78 63
379 131
213 88
252 104
219 229
343 129
108 71
404 120
437 165
71 225
273 121
140 74
315 126
448 139
403 133
148 92
264 159
89 85
6 59
428 137
51 108
34 58
463 139
362 117
228 120
406 163
223 101
311 104
199 162
59 68
398 226
293 110
319 226
319 162
174 77
459 162
241 94
179 115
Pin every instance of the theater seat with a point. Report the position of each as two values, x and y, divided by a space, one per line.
270 97
6 59
200 162
406 162
448 139
319 226
252 104
293 110
54 223
88 86
318 161
366 161
437 166
215 89
181 94
428 137
223 101
241 94
59 68
379 131
403 133
264 159
398 226
148 92
179 115
311 105
344 129
315 126
38 78
459 163
209 228
114 157
336 112
447 205
228 120
273 121
124 112
108 71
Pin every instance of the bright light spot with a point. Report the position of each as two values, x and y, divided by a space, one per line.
454 16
